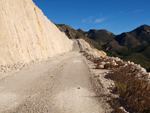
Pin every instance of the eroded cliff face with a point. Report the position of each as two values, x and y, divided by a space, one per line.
27 35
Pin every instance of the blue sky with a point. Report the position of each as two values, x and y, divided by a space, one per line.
116 16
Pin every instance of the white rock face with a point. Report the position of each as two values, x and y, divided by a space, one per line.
26 34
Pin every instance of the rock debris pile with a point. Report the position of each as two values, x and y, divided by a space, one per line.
132 82
5 69
88 51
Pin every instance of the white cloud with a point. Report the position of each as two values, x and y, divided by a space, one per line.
84 20
101 14
88 20
120 12
92 19
137 11
99 20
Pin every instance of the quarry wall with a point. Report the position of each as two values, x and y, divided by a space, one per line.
27 35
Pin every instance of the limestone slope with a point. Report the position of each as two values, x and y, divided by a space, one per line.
27 35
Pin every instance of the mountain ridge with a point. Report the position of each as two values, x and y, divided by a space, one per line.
122 45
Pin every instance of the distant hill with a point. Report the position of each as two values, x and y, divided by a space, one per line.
102 36
142 34
133 45
70 32
146 52
137 37
75 34
125 39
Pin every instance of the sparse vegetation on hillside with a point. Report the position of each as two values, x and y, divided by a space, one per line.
133 46
146 52
102 36
139 58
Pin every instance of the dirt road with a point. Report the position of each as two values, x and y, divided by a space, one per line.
61 85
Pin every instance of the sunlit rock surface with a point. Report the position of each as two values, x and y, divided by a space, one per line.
27 35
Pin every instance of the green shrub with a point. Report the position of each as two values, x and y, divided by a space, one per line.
123 88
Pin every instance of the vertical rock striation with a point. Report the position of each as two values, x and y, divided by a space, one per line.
26 34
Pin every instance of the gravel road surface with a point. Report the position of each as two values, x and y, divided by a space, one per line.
61 85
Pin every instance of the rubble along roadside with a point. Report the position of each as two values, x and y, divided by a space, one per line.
130 81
